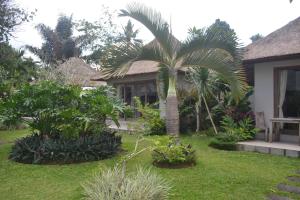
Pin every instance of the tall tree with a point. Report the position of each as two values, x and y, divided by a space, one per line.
256 37
59 44
11 16
210 50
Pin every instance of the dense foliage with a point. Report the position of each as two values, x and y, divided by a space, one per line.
187 112
237 110
14 69
57 109
114 184
70 123
233 132
150 118
37 149
168 151
224 141
243 130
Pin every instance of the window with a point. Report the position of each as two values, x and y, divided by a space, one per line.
291 105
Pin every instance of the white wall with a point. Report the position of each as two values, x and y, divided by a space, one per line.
264 86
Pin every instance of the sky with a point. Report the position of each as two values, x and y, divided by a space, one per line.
246 17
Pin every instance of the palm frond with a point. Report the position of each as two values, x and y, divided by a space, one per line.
46 32
118 59
153 52
211 39
221 63
154 22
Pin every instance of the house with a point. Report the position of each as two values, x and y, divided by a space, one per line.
273 67
141 81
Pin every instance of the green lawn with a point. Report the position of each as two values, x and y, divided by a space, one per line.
218 174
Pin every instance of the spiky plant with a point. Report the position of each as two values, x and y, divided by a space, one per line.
139 185
210 49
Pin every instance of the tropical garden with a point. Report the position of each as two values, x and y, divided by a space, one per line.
55 142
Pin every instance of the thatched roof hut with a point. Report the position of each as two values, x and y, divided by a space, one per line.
77 71
282 43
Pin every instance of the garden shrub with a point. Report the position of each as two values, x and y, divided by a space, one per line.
224 141
168 151
233 133
243 130
231 108
114 184
64 115
150 118
37 149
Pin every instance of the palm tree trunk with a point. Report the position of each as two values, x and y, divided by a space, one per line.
172 114
209 114
162 108
198 114
160 86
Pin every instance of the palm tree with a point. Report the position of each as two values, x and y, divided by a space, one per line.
59 44
206 83
209 50
129 34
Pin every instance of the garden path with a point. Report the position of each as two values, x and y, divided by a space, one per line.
286 187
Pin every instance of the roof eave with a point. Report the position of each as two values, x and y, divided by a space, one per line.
272 58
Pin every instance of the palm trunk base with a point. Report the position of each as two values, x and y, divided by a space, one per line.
172 116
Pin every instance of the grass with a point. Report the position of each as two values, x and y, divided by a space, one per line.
218 174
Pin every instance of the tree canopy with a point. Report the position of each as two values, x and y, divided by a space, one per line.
11 16
59 44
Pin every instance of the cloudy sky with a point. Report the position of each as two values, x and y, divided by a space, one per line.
246 17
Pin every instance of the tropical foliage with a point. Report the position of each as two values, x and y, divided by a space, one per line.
68 124
237 110
57 109
211 49
14 69
36 149
243 130
150 119
233 132
170 152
